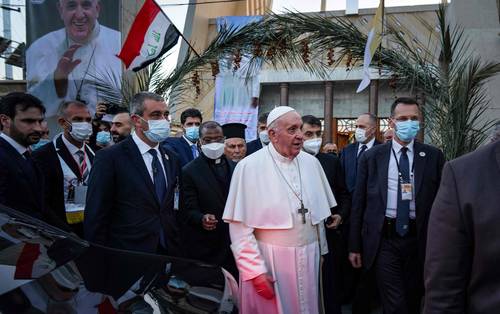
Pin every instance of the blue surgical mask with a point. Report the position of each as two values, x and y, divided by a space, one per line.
103 138
158 130
40 143
193 133
407 130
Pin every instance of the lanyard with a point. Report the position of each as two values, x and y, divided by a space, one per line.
399 169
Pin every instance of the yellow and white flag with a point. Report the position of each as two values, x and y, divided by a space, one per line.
372 43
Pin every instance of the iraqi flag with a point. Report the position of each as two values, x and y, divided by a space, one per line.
151 35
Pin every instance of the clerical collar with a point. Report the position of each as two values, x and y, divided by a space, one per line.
95 33
277 156
217 161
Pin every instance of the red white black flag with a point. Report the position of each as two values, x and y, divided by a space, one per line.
151 35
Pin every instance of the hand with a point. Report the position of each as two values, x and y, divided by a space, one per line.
336 221
100 110
355 259
65 66
263 284
209 222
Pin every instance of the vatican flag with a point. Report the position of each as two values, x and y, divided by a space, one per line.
372 43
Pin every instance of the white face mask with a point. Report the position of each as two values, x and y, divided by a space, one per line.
81 131
360 135
264 137
213 150
158 130
313 145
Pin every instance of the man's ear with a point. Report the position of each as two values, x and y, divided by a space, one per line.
5 121
62 122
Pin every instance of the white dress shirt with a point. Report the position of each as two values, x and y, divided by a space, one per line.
20 148
191 144
73 150
393 180
368 145
147 157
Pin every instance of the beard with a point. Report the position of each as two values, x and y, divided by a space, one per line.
24 139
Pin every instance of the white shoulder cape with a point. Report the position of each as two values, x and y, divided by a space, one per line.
259 198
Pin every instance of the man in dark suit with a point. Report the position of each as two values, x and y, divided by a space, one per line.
206 180
335 261
132 186
366 126
66 164
396 185
262 138
461 266
186 147
21 182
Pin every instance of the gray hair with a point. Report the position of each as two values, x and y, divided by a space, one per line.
65 105
137 102
371 117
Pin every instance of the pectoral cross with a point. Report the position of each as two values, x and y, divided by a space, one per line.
303 211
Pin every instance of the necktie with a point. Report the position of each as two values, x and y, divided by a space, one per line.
82 164
160 184
403 210
159 180
30 167
194 151
363 148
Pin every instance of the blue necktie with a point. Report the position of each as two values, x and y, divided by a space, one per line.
194 151
403 210
159 180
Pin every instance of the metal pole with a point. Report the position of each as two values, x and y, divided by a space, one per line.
7 33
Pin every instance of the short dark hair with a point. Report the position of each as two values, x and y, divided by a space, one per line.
371 117
209 125
19 101
403 100
190 113
312 120
263 118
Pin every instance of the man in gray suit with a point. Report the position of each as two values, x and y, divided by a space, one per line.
462 273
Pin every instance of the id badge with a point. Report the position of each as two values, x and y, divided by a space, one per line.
406 191
80 194
176 200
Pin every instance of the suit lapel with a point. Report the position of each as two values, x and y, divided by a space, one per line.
136 159
63 151
169 172
21 168
419 158
383 158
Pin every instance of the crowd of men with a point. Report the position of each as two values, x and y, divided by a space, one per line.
267 210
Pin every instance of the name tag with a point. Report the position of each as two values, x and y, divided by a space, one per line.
406 191
80 194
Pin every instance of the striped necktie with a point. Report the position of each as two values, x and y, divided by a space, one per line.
82 164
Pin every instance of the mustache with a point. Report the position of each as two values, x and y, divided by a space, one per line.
35 134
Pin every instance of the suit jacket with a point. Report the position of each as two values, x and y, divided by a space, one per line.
462 273
179 146
370 197
203 194
253 146
349 161
122 210
47 159
333 170
22 188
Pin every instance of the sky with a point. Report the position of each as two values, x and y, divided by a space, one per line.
177 14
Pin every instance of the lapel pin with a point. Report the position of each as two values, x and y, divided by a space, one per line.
166 156
422 154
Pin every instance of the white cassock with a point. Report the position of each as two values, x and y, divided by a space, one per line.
267 232
98 62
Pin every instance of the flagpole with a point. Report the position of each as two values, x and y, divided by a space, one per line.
178 31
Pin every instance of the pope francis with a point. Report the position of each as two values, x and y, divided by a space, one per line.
278 200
